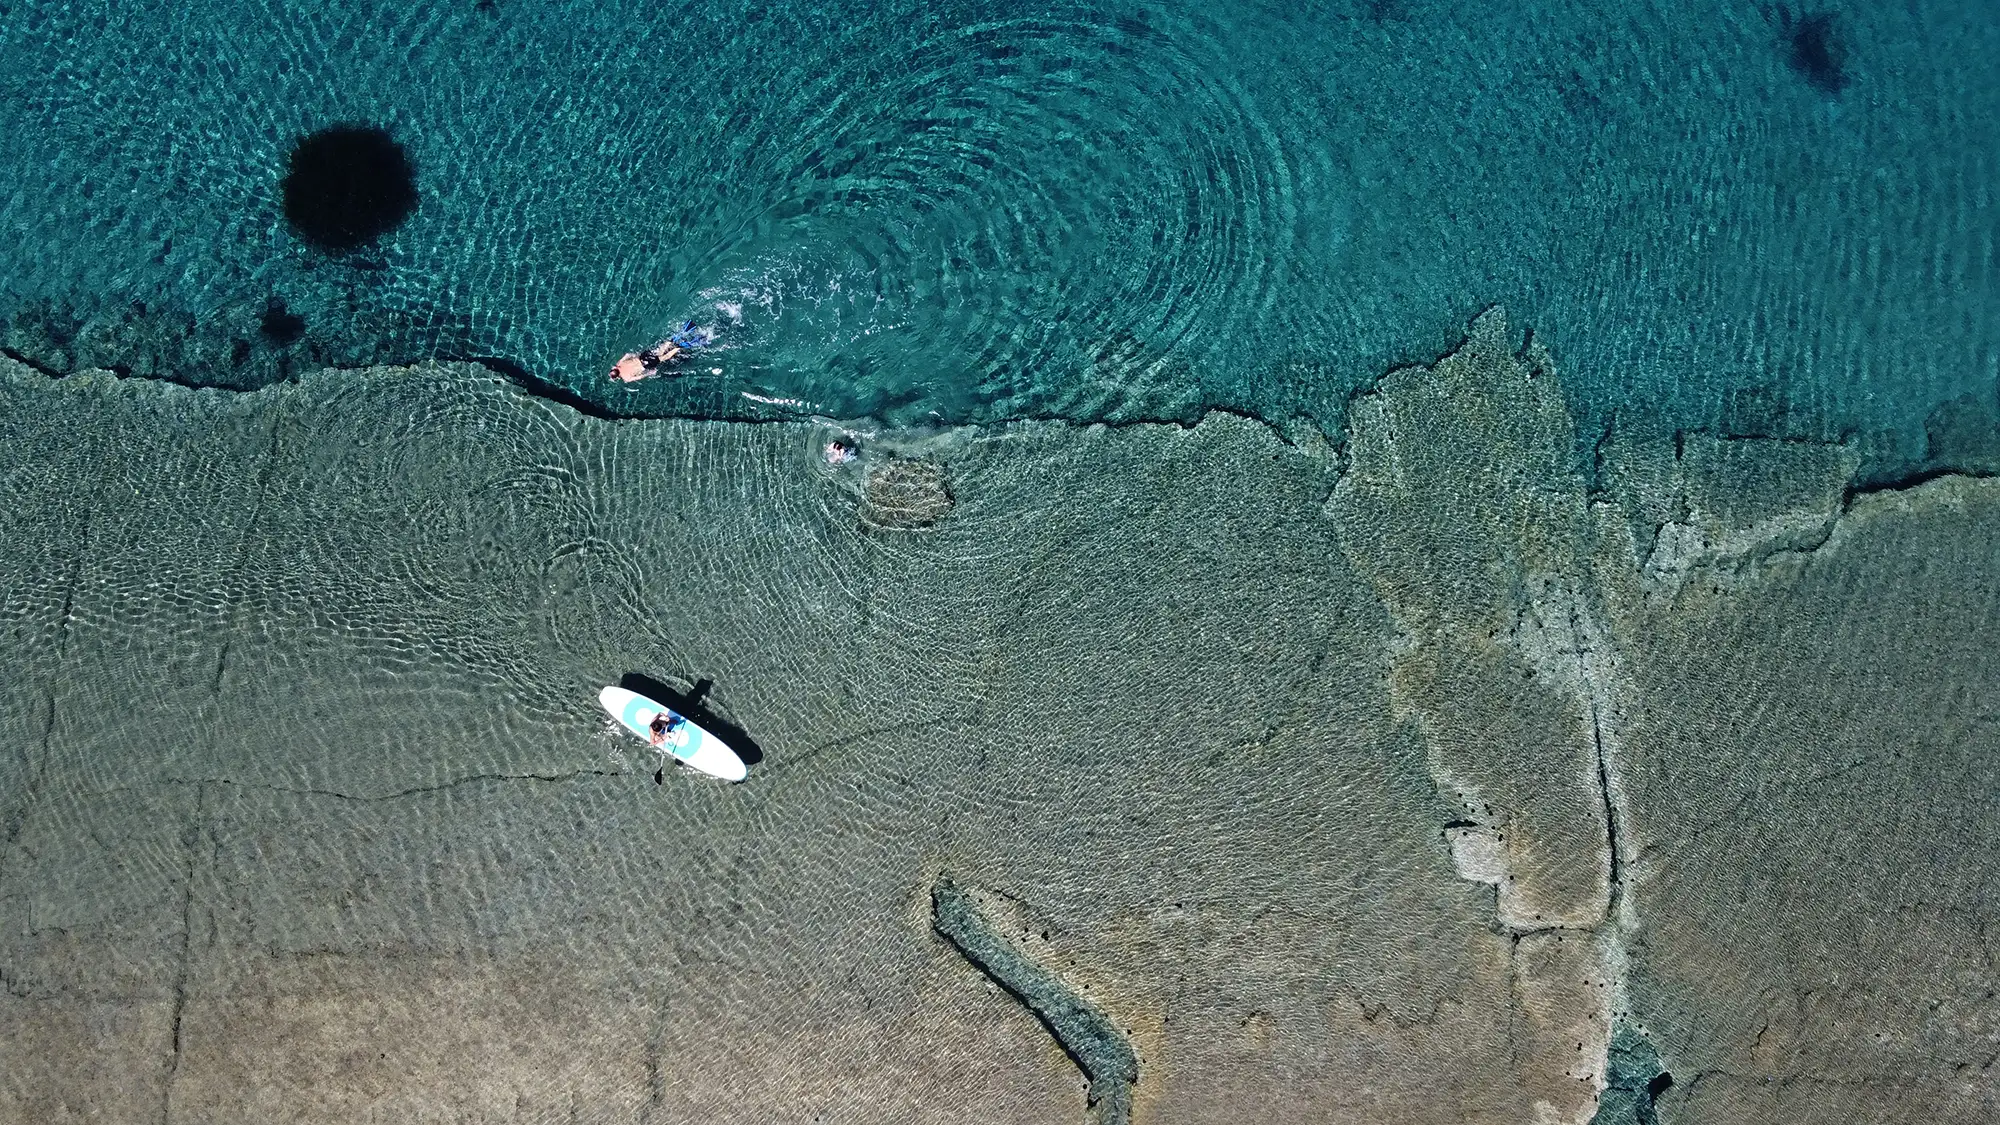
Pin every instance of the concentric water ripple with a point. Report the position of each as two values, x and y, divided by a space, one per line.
1015 198
979 210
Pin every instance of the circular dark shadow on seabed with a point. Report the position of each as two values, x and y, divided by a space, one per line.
348 185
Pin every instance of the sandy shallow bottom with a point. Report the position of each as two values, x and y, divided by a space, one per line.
1379 781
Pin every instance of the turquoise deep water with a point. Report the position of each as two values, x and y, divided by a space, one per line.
1719 214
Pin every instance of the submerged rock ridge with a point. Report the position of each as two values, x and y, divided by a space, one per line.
1716 510
1464 508
1570 644
1085 1033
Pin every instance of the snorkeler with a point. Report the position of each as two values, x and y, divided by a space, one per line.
634 366
629 368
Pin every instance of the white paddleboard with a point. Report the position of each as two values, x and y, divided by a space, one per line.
686 742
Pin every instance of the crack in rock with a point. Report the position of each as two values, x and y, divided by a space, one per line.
190 837
418 791
1090 1039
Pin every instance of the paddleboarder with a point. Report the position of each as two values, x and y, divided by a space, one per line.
662 725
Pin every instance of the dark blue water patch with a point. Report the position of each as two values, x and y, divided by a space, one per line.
347 185
1814 48
979 210
279 325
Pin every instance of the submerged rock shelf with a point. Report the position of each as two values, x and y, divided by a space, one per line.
1417 778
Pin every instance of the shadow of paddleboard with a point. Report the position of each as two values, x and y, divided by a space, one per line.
691 704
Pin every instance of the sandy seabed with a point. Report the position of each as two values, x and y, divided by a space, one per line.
1390 778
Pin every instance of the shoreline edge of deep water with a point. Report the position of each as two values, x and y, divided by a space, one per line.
1959 438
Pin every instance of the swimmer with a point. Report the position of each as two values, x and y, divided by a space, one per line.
629 368
839 452
634 366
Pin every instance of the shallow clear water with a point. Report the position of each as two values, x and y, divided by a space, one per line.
975 211
305 798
